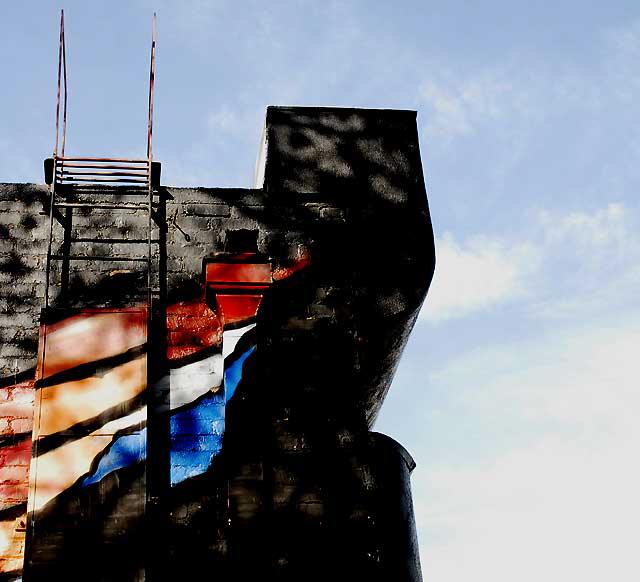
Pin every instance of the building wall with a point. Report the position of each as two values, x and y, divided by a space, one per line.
22 248
260 450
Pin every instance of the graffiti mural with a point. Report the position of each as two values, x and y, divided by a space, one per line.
200 390
91 404
91 381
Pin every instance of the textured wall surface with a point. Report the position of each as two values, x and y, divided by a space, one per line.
22 252
280 318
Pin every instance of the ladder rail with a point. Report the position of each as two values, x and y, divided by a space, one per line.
72 175
152 68
75 175
50 245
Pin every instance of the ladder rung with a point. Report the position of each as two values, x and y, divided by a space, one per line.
70 180
102 205
104 166
103 189
63 173
96 258
124 160
98 190
109 241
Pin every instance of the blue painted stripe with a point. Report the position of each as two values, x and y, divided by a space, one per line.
233 374
125 450
196 435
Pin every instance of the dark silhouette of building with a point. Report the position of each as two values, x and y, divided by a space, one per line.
208 413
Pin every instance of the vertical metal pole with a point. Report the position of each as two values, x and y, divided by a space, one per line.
51 202
61 60
64 76
150 156
152 376
55 149
151 85
158 439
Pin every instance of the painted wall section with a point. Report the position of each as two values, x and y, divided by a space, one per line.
16 419
91 378
91 381
234 285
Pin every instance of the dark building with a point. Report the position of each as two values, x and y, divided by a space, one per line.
205 370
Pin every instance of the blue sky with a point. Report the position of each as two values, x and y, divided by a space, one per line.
517 391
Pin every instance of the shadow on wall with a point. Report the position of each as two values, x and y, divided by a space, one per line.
22 252
368 163
295 457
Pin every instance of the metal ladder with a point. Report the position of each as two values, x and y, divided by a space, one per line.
74 180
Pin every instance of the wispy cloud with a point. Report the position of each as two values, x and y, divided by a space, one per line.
475 275
455 107
602 228
563 263
622 75
592 262
545 478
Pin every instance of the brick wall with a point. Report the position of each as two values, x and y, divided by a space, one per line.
199 223
22 255
16 421
23 235
341 187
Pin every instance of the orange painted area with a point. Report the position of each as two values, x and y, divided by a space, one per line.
283 272
238 307
60 468
69 403
191 326
90 336
12 538
238 283
238 272
85 345
16 418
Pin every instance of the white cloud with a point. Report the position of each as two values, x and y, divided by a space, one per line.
555 499
563 263
604 226
545 486
456 107
521 97
622 76
475 275
238 122
224 120
570 376
592 262
449 115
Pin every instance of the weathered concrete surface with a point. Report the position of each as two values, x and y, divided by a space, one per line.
301 486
